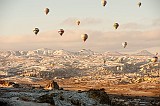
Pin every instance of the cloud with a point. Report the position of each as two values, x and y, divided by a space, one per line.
71 40
113 40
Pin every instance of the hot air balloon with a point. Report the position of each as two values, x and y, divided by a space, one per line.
116 25
124 44
78 22
36 30
154 59
84 37
61 31
46 10
118 68
139 4
104 2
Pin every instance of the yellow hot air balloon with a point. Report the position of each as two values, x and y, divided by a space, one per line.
78 22
84 37
116 25
154 59
104 2
61 31
46 10
35 30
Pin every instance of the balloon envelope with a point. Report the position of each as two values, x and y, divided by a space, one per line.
139 4
78 22
116 25
35 30
124 44
61 31
84 37
46 11
154 59
104 2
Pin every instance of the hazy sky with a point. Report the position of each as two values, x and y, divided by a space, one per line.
140 27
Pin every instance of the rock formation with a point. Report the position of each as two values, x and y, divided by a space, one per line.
52 85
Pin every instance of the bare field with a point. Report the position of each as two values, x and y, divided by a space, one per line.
140 89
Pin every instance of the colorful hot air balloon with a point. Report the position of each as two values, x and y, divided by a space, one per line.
154 59
78 22
61 31
46 10
139 4
124 44
104 2
116 25
35 30
84 37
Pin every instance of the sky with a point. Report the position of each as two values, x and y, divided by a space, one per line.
140 27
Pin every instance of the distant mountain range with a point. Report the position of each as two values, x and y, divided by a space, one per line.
47 52
86 52
113 53
144 53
